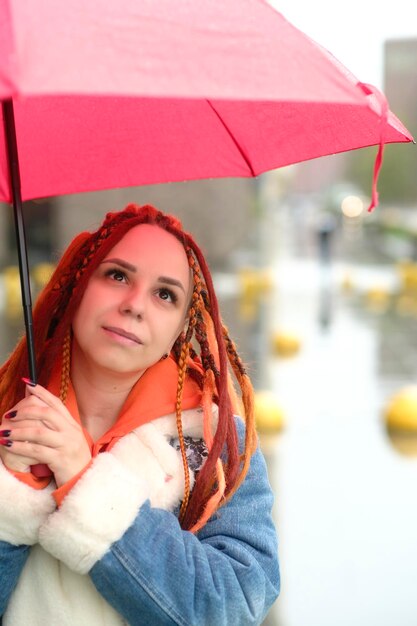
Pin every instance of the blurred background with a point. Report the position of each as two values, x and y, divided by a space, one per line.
321 298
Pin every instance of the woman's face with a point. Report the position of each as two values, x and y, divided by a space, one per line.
135 303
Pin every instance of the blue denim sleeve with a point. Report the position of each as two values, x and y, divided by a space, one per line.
12 560
226 574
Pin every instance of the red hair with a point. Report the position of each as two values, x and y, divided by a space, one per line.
52 317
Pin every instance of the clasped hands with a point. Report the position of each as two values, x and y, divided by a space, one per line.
40 429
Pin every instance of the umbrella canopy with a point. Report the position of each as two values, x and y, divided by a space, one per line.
101 94
119 94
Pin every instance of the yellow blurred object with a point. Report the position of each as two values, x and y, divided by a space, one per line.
285 344
12 293
254 282
347 282
408 273
401 412
265 280
41 273
406 304
269 414
404 443
248 309
378 299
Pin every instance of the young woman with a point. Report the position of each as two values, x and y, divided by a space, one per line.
157 509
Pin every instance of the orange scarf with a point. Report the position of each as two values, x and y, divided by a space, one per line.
153 396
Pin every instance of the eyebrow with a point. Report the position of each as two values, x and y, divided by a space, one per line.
131 268
125 264
171 281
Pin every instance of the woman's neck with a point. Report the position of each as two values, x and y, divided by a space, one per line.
100 394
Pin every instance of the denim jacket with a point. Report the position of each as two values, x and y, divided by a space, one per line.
156 573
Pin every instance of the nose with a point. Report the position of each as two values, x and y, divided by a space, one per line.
133 304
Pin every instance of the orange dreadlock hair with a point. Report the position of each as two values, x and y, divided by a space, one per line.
205 340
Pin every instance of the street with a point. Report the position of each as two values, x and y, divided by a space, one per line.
345 505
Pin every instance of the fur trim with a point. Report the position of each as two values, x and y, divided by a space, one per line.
97 512
192 423
159 464
23 509
105 501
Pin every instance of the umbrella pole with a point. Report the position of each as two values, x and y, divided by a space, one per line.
13 161
39 470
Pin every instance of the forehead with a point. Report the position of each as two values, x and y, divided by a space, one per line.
150 247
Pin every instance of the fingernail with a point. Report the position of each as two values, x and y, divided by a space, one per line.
5 433
29 382
6 442
10 415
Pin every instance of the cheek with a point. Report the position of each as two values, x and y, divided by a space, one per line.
166 326
78 323
85 311
180 325
94 299
81 314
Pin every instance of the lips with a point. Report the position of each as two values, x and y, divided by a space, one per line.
123 333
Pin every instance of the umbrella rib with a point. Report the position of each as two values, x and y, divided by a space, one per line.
232 137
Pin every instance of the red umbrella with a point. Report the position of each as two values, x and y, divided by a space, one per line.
103 94
100 94
211 90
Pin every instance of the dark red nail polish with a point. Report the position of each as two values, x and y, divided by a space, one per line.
5 433
29 382
10 415
6 442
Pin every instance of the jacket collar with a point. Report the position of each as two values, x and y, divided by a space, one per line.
153 396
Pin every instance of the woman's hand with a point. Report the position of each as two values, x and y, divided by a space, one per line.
43 431
13 461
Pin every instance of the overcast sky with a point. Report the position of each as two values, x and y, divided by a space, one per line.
354 31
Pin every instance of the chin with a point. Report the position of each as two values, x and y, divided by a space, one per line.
122 370
116 366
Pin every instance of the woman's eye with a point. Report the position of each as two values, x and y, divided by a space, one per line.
116 275
167 295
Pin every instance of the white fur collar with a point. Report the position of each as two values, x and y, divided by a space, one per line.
107 498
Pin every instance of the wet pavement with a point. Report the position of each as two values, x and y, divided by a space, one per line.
346 509
345 495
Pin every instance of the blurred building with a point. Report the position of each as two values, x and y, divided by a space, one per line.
400 79
38 228
400 87
220 213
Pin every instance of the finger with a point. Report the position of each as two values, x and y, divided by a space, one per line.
18 463
34 452
28 414
19 424
45 415
43 394
7 454
53 401
42 436
30 400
